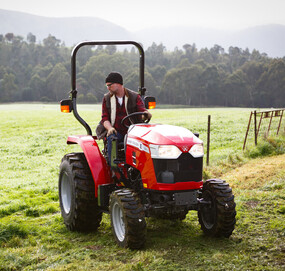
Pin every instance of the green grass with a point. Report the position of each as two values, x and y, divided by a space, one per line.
32 233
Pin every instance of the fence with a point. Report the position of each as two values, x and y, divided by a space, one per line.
263 115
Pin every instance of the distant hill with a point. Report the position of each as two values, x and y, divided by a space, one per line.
269 39
68 30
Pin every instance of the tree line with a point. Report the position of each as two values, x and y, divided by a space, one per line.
31 71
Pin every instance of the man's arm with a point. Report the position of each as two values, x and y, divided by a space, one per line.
105 119
141 107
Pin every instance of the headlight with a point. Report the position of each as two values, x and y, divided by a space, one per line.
164 151
197 150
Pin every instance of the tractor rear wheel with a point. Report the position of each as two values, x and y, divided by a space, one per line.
127 219
78 204
218 217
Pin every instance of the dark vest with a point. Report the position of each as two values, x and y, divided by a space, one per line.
131 107
132 101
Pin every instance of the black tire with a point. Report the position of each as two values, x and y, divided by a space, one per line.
78 204
218 219
127 219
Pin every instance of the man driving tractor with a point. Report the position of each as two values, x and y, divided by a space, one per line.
118 103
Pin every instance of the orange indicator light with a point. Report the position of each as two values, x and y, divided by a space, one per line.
65 108
151 105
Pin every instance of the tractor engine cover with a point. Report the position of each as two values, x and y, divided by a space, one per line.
168 157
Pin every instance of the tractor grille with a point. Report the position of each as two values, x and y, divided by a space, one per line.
184 169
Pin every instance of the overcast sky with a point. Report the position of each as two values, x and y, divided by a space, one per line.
136 15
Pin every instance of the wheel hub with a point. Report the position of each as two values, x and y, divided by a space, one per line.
65 193
208 212
118 222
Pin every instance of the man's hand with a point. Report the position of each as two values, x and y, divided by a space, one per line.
148 117
111 131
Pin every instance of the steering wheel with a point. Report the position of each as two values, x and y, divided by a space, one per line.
123 122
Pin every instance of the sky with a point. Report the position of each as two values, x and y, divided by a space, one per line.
136 15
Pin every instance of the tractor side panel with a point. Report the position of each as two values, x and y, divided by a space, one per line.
141 160
96 161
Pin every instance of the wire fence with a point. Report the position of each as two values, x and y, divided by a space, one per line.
264 123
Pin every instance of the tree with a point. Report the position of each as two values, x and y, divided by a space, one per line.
271 85
176 57
31 71
211 86
9 37
84 54
155 55
236 89
111 49
91 98
132 81
36 89
184 63
31 38
97 84
190 52
58 83
216 52
104 64
99 49
182 86
51 50
8 88
158 72
51 42
205 55
253 71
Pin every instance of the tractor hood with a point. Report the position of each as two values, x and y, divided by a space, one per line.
164 135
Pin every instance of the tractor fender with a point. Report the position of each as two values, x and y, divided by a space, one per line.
96 161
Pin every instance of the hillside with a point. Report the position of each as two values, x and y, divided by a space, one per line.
68 30
269 39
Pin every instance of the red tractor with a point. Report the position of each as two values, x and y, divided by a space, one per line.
158 173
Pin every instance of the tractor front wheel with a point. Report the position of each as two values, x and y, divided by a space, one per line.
217 217
127 219
78 204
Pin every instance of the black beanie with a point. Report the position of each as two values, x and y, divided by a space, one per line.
114 77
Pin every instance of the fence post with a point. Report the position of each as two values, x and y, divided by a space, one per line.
208 139
259 124
247 130
267 134
281 115
255 131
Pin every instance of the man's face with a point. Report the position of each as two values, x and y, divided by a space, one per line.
112 87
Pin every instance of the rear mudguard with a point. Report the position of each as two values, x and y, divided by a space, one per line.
96 161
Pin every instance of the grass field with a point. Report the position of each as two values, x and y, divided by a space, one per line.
32 233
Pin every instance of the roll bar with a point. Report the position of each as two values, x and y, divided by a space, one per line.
73 92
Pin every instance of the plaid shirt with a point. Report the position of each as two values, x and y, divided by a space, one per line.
121 113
